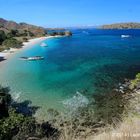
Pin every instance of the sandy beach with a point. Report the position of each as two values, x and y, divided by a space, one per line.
8 53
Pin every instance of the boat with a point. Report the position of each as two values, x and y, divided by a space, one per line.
125 36
43 44
32 58
2 58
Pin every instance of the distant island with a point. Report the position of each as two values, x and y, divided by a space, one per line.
131 25
13 34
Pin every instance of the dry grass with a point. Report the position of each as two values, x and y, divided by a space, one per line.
129 130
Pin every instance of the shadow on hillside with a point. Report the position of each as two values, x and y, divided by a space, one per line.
25 108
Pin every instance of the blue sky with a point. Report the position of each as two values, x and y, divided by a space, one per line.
53 13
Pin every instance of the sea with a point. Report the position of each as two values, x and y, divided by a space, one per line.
75 68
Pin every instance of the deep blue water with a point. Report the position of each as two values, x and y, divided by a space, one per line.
90 61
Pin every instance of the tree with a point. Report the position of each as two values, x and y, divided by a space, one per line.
2 36
14 32
12 43
5 100
25 39
30 34
9 35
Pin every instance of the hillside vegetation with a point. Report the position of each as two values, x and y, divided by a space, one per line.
22 28
12 34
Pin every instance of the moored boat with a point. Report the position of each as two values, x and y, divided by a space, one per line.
125 36
32 58
43 44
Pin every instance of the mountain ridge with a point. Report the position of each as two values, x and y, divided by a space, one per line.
8 25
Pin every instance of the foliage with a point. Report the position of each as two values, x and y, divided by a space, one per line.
25 39
30 34
9 126
135 82
12 43
16 125
14 32
109 108
5 100
9 35
2 36
2 48
4 93
104 111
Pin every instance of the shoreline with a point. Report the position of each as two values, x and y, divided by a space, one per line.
30 43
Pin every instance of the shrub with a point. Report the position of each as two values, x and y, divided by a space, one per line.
5 100
2 36
12 43
25 39
135 82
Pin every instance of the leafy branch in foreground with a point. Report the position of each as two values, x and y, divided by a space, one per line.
18 126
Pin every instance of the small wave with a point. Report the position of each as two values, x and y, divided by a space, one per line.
76 102
16 96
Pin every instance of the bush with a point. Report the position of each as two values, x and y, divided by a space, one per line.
136 82
25 39
14 125
2 36
1 49
20 127
14 32
9 126
12 43
9 35
5 100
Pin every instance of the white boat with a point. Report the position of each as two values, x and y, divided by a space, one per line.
43 44
32 58
125 36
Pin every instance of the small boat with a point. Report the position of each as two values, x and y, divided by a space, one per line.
125 36
32 58
43 44
2 58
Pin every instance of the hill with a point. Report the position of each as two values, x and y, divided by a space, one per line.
12 34
7 26
130 25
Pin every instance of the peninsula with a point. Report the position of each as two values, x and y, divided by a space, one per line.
130 25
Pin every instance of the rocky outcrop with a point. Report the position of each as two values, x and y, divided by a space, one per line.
68 33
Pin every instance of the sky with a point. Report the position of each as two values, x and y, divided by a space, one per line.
66 13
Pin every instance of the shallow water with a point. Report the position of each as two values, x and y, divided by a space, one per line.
90 60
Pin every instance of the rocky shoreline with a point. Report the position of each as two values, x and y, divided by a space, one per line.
106 112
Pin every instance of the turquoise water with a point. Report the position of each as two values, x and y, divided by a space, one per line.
90 61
